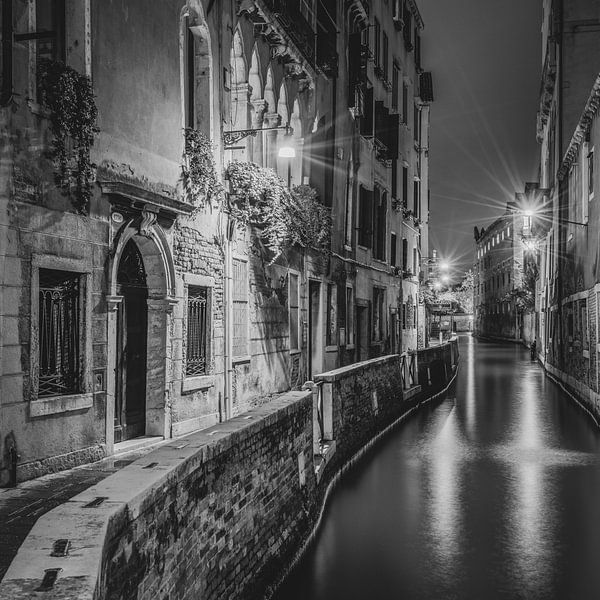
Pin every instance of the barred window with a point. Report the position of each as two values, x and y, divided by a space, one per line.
240 308
59 317
197 331
294 311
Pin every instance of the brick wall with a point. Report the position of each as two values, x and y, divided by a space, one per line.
218 515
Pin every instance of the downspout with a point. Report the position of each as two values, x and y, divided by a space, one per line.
228 321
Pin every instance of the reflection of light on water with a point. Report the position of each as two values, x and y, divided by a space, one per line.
470 387
444 487
530 513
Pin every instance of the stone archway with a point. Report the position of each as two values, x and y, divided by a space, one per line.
150 243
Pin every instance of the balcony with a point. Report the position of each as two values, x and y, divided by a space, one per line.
294 23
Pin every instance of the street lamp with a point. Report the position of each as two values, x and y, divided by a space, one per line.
289 152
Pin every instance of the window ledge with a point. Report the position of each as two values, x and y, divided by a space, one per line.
197 382
295 351
241 359
60 404
331 348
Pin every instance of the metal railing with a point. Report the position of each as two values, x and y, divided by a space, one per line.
408 366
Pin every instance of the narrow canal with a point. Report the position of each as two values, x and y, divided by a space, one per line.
492 494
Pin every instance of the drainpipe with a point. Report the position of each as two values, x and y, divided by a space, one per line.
228 321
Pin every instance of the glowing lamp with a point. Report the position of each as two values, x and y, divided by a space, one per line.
287 152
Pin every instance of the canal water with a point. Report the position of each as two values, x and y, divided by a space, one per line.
494 493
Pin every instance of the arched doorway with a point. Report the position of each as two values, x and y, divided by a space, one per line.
131 345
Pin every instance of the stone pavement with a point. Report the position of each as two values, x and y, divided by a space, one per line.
22 506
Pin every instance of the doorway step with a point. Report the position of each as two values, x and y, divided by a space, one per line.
137 444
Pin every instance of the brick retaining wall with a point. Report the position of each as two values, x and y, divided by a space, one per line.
218 514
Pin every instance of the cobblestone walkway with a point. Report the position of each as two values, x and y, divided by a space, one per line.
22 506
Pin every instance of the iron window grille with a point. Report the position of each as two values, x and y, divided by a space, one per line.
197 330
59 315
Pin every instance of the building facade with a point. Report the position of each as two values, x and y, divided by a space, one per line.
567 303
502 258
135 304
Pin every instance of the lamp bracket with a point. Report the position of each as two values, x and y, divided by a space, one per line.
232 137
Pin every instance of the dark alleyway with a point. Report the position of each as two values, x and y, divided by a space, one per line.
492 494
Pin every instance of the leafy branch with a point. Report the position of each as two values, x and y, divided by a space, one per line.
68 97
200 178
285 217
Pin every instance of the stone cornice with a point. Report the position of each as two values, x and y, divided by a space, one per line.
582 129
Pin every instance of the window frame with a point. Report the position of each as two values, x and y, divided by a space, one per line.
298 347
378 307
83 399
331 325
350 317
196 382
241 358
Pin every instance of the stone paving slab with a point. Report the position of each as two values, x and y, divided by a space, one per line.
21 507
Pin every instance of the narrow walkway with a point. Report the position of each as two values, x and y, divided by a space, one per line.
22 506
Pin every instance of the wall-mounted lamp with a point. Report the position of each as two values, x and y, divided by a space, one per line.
234 136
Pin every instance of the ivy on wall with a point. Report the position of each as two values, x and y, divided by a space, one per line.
285 217
200 179
69 99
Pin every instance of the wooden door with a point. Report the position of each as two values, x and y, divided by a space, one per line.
132 332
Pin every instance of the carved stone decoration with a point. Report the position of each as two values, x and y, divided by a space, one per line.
278 51
148 221
293 69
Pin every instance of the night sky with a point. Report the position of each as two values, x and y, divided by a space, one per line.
485 56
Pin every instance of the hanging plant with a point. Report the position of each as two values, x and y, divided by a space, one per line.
310 221
285 217
69 99
200 178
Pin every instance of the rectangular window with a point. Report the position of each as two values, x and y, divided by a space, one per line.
405 186
349 316
416 195
385 51
377 43
190 76
331 315
50 29
379 224
59 335
404 254
394 178
367 121
393 249
365 224
378 314
416 123
294 308
415 262
405 103
197 331
395 84
239 295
